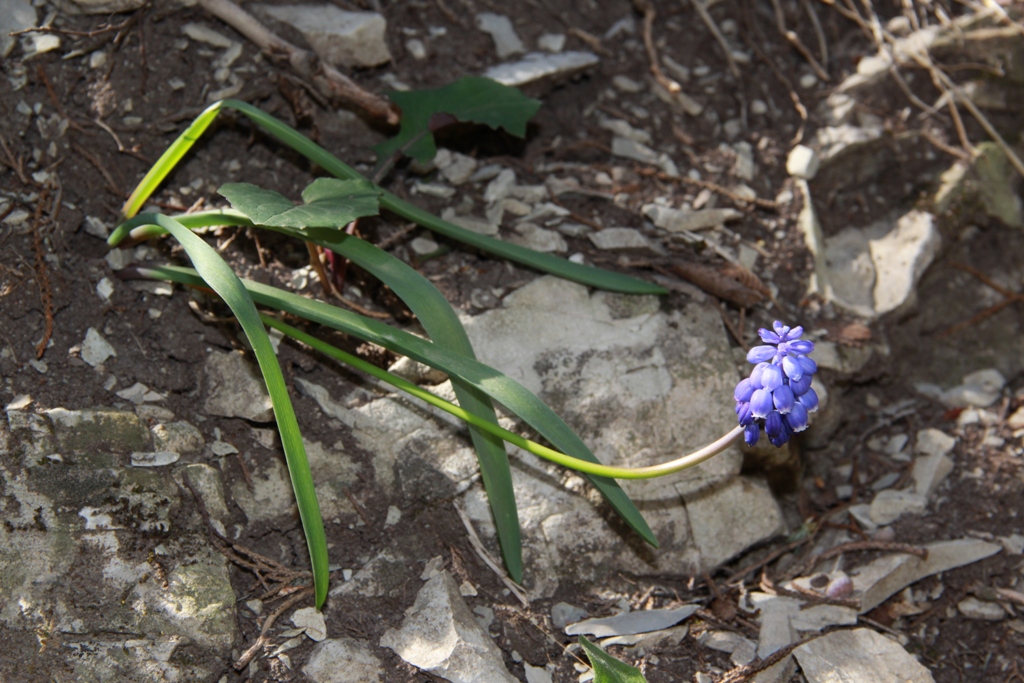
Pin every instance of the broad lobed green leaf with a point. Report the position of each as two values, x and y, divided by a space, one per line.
472 99
328 203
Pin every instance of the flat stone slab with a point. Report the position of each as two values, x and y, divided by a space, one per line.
859 656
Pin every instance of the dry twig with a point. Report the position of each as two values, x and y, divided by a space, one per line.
478 546
705 16
1009 297
793 39
646 7
331 82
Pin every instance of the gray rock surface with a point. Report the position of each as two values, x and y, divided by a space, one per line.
641 386
973 608
539 65
499 27
858 656
340 38
80 513
875 582
234 388
441 636
619 238
95 349
677 220
729 517
875 270
15 15
343 660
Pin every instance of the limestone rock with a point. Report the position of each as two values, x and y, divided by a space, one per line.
901 257
676 220
988 183
96 349
235 389
640 386
858 656
539 239
729 518
15 15
343 660
875 270
500 28
180 437
340 38
973 608
82 430
802 162
875 582
539 65
890 505
619 238
441 636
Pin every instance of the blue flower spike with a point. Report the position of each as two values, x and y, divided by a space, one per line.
777 396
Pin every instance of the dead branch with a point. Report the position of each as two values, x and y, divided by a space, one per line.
332 83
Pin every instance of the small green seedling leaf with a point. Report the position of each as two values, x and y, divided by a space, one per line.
329 203
607 669
472 99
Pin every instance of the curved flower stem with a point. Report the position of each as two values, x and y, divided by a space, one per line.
650 472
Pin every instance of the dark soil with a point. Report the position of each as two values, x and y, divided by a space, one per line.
93 168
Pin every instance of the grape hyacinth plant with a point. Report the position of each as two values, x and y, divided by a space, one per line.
778 395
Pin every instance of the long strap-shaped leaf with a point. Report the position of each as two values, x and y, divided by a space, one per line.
442 325
543 262
495 384
218 275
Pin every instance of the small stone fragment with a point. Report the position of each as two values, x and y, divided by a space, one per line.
95 227
619 238
972 608
979 389
500 28
96 349
802 162
551 42
539 239
890 505
201 33
677 220
181 437
441 636
343 660
340 38
311 620
563 614
234 389
154 459
538 65
104 288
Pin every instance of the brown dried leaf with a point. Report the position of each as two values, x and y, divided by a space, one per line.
855 332
718 284
746 278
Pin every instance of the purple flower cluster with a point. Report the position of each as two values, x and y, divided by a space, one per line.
778 395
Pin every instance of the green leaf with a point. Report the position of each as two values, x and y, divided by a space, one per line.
607 669
217 275
329 203
472 99
498 386
547 263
